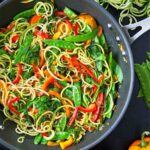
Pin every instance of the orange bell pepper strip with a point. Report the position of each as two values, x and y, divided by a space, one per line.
41 58
49 81
143 144
68 79
50 143
66 143
35 19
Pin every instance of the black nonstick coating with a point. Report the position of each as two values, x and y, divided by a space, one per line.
112 30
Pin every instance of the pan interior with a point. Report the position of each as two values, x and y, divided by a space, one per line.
9 8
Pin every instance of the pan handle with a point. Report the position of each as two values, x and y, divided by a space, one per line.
145 26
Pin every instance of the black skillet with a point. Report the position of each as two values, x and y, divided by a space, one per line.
114 35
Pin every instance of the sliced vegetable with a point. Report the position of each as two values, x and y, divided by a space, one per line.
70 14
61 136
25 14
11 102
15 38
91 108
76 29
59 13
35 19
66 143
72 119
62 123
60 44
42 34
83 37
49 81
37 139
21 55
20 70
77 94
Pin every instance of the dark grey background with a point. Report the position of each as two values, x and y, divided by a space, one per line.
137 117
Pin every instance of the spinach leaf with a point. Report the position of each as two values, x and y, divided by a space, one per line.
21 54
115 68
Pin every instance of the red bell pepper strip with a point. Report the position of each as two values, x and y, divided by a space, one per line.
100 103
100 30
9 27
91 108
99 81
44 134
96 115
70 65
15 38
36 70
76 29
20 71
59 13
69 23
42 34
89 71
72 119
76 64
100 99
10 102
80 65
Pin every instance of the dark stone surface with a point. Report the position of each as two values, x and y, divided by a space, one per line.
137 117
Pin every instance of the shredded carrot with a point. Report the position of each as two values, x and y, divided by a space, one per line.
35 19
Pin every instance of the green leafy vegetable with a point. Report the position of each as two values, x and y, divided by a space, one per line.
22 52
115 68
143 74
